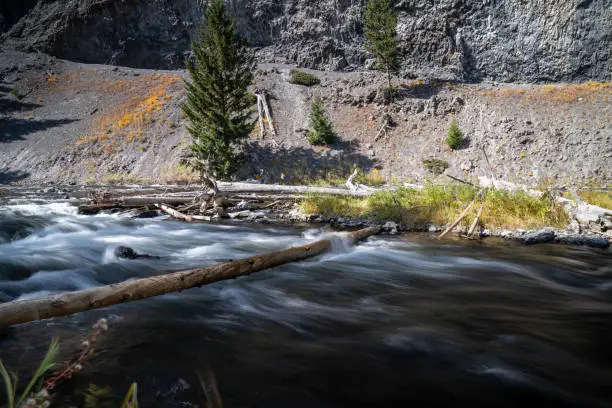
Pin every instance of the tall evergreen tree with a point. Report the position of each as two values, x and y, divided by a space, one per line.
218 100
380 35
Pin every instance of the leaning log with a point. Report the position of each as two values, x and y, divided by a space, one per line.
462 216
23 311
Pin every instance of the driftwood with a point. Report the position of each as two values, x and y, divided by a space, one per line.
462 216
174 213
357 188
262 129
475 223
22 311
382 130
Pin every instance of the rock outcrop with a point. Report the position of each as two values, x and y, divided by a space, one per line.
504 40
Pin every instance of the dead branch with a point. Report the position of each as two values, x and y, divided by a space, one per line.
459 180
382 129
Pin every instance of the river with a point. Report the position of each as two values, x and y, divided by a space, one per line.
394 321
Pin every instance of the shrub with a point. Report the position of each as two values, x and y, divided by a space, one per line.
321 130
454 139
436 166
303 78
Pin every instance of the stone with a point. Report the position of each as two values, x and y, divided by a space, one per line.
391 227
538 237
123 252
595 241
243 205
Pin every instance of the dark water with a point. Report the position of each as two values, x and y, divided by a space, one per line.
402 321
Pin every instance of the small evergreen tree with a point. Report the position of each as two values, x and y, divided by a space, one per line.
454 139
380 35
321 130
218 101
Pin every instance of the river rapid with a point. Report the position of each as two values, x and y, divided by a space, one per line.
394 321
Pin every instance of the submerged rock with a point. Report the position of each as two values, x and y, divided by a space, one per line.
123 252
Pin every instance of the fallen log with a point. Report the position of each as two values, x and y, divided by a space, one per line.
462 216
126 203
278 188
174 213
23 311
475 223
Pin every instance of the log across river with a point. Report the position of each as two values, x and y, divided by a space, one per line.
392 321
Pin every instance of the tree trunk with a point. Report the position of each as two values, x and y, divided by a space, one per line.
22 311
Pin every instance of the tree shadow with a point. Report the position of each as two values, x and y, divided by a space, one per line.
9 176
8 104
297 165
15 129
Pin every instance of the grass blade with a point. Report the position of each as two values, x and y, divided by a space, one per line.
9 385
131 398
47 363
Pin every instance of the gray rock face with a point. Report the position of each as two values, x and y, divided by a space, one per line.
506 40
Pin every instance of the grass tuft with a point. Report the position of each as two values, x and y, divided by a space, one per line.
303 78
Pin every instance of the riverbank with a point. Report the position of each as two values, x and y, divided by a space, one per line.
517 216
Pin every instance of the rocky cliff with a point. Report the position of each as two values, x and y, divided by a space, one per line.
503 40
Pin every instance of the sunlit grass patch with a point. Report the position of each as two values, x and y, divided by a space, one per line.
599 198
178 174
441 205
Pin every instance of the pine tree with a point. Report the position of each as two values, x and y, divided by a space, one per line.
218 100
321 130
454 139
380 35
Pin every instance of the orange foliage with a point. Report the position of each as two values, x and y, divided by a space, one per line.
562 93
148 95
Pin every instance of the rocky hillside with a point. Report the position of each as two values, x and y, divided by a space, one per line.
68 122
503 40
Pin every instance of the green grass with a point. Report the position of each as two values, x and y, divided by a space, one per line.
303 78
599 198
10 380
441 205
117 179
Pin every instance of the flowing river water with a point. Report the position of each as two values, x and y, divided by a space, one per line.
393 321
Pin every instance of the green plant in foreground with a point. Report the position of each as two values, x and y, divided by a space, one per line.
321 130
303 78
131 398
454 138
10 380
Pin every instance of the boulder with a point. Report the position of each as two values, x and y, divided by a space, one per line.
538 237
